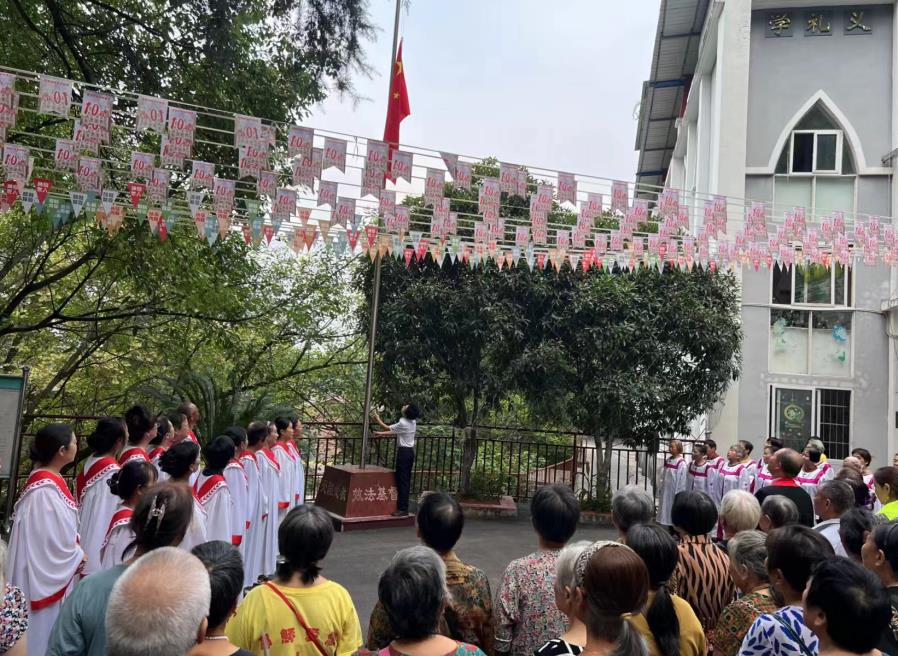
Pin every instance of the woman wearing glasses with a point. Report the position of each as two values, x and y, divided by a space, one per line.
880 555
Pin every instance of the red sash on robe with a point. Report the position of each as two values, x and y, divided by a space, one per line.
121 517
133 453
87 478
157 452
209 487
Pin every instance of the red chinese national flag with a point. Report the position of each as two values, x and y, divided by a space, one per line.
397 104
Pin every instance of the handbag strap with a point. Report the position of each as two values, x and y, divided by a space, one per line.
793 635
310 634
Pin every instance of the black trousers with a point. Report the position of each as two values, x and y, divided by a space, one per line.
405 460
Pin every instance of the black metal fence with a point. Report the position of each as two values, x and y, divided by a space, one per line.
508 461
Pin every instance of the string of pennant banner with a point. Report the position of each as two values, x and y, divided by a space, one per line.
112 154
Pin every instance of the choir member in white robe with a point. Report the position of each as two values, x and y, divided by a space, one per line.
180 462
213 491
44 553
271 483
257 502
700 476
300 480
165 437
716 461
733 474
287 465
751 466
141 431
96 502
128 485
238 484
673 481
814 473
763 478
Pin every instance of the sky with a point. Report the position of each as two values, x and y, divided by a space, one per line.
546 84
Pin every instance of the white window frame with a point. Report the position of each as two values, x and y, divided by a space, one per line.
849 292
815 407
814 170
809 355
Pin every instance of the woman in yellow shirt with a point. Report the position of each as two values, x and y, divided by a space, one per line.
300 612
885 485
668 623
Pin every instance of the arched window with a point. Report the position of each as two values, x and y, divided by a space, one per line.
816 167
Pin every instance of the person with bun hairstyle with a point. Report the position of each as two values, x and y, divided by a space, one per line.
44 553
270 475
165 437
300 479
92 488
613 585
129 485
180 462
213 492
141 431
256 502
160 519
238 483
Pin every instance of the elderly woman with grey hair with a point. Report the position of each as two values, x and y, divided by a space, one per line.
739 511
414 594
571 642
631 505
748 556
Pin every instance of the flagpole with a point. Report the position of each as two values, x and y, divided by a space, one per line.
375 299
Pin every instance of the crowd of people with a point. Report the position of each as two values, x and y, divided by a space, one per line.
198 560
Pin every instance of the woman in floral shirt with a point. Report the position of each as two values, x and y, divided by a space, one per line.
748 555
526 614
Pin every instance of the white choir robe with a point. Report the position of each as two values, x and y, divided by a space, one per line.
215 497
810 481
731 477
44 554
119 537
238 485
701 478
257 502
196 531
132 453
763 479
751 469
98 505
287 475
271 484
717 462
155 456
673 481
299 479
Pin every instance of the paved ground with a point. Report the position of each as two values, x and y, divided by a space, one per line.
357 558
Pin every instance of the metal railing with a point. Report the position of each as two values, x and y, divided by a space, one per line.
508 460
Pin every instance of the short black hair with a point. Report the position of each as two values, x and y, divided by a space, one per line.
140 421
886 539
814 454
693 512
748 446
440 520
853 526
304 538
225 567
863 454
256 432
219 452
796 550
108 431
775 443
411 412
711 444
48 441
852 598
237 435
282 423
163 427
554 511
